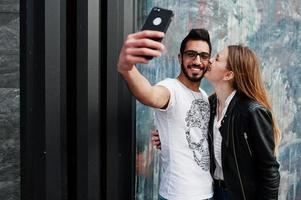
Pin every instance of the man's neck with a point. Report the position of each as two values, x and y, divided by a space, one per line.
194 86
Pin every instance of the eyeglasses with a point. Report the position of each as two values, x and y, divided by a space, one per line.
204 56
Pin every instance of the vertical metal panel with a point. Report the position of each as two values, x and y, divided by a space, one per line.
63 99
32 100
102 94
52 99
82 100
88 110
93 101
71 60
120 113
55 66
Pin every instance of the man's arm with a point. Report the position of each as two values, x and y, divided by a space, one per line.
135 47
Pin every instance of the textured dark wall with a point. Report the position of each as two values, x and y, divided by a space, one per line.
9 100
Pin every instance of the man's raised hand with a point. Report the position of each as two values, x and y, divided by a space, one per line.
137 46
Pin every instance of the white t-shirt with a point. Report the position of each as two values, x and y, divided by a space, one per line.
183 128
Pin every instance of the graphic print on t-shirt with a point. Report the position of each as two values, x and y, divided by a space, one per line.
197 119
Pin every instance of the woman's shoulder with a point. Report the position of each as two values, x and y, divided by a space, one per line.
247 105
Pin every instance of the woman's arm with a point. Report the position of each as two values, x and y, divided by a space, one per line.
263 148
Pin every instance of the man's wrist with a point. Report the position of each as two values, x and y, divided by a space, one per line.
121 71
124 69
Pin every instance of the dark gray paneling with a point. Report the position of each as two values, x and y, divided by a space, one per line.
32 99
55 98
94 157
82 100
87 85
120 106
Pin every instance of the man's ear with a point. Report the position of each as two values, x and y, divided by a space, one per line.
229 75
180 58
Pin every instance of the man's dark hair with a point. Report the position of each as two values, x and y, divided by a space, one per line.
196 34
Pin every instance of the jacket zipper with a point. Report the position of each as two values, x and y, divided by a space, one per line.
242 187
246 138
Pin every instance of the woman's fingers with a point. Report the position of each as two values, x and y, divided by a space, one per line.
156 139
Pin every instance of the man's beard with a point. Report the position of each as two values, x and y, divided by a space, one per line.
192 78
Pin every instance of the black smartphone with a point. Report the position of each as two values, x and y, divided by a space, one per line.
158 20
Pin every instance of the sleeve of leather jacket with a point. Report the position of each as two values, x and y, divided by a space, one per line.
263 149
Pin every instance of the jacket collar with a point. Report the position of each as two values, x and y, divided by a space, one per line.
213 103
233 103
224 127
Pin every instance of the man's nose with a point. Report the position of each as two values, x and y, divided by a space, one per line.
197 60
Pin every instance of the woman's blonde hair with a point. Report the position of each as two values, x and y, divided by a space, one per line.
247 79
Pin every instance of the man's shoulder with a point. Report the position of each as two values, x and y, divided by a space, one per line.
167 80
204 93
169 83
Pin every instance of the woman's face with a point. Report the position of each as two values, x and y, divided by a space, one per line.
218 72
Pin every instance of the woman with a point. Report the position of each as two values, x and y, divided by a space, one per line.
243 133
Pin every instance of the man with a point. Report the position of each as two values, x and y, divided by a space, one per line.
182 113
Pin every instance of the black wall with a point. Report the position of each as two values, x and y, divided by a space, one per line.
77 116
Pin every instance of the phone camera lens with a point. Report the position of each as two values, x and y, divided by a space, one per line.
157 21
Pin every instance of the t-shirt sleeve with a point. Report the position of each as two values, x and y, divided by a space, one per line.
169 84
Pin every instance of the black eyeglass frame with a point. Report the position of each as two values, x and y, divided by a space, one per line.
204 56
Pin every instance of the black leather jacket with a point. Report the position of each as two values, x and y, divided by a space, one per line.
250 169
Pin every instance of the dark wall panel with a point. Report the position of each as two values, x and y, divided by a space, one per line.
120 116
